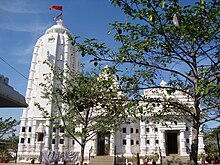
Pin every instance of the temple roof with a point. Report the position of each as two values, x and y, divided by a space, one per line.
59 28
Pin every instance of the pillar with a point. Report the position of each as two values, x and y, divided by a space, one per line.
152 144
182 143
200 143
128 141
66 144
47 137
163 142
112 144
143 150
33 136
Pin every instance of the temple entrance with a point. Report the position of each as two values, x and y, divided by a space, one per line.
103 143
172 142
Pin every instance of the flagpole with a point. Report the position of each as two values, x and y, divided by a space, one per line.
60 15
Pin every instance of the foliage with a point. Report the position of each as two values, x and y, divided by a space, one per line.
202 156
153 156
13 141
164 39
4 155
210 140
7 126
85 103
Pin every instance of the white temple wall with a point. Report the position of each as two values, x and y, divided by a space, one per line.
152 139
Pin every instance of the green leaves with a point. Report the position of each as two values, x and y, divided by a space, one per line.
7 126
92 48
205 87
163 40
89 101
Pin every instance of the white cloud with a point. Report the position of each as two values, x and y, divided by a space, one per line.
24 61
14 26
25 50
20 6
22 16
24 53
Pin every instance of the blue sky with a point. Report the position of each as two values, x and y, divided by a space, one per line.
22 22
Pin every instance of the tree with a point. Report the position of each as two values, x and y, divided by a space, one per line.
212 143
85 103
7 126
165 39
13 141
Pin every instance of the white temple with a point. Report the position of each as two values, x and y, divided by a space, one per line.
142 136
56 47
148 137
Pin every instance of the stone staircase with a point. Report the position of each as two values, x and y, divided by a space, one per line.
176 160
168 160
102 160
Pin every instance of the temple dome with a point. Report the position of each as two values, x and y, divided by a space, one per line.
59 28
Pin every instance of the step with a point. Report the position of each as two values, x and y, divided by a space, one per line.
102 160
184 160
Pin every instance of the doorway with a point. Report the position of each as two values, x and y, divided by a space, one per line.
172 143
103 143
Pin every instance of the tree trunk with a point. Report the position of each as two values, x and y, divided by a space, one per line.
194 145
218 143
82 153
138 159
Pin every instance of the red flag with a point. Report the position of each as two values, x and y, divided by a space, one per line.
60 15
56 7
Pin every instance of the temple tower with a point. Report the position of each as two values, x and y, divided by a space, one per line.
56 47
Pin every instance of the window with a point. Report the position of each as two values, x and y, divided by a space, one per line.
148 141
73 142
137 142
54 129
29 140
157 141
187 128
124 142
22 140
29 129
187 140
132 142
147 130
156 129
40 137
61 130
137 131
51 40
131 130
23 129
124 130
53 141
61 141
